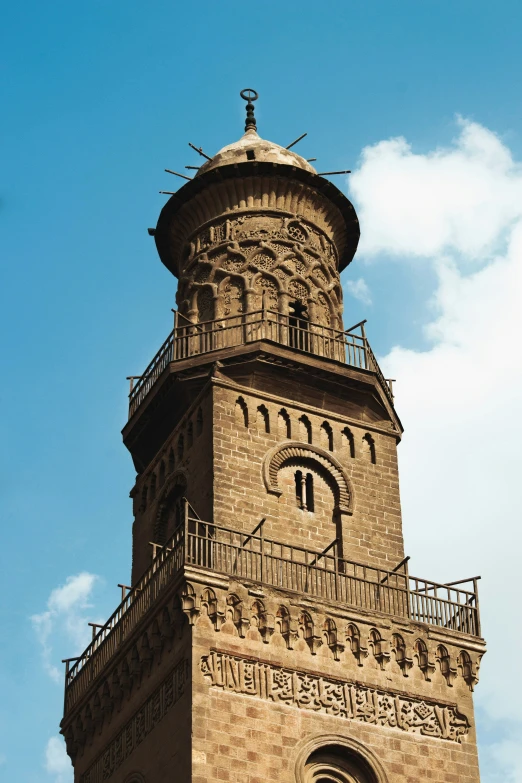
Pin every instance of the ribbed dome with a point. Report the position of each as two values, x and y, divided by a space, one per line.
252 147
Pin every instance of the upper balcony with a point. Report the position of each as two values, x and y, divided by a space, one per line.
252 558
187 340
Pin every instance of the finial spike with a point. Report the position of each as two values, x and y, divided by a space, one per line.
250 96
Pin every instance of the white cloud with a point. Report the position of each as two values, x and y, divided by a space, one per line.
461 400
359 289
64 617
462 198
57 762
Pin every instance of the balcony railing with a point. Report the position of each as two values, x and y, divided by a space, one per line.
195 339
258 559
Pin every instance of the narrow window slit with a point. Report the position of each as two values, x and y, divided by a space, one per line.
309 492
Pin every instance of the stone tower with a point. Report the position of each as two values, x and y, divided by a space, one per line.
272 630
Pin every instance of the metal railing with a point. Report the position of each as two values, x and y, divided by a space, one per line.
195 339
259 559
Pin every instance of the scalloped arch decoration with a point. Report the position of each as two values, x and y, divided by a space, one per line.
276 458
352 747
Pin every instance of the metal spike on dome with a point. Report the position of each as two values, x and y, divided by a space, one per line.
250 96
296 141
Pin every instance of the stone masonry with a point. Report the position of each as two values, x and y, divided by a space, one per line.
272 630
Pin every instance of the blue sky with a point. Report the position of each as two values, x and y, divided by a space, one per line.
98 99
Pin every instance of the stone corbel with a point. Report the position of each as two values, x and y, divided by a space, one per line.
107 703
466 669
166 630
116 690
266 627
88 724
146 654
97 713
358 651
188 603
379 653
337 649
135 667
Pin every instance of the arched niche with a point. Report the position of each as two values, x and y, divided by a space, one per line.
296 451
336 759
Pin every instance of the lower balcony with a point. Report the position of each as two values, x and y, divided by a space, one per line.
254 558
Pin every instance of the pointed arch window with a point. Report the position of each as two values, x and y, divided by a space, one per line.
305 429
241 412
327 436
263 418
283 424
349 441
369 448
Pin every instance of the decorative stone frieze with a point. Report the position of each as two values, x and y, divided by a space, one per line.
340 698
262 259
140 725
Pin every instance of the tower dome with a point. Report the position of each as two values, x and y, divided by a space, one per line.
258 226
251 147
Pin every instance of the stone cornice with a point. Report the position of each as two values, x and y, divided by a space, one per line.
261 186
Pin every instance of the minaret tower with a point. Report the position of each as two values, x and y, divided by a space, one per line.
272 630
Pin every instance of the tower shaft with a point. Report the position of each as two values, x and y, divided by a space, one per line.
273 630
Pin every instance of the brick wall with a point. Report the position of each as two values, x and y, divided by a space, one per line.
252 739
372 534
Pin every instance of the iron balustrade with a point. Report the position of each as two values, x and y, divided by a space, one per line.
252 557
195 339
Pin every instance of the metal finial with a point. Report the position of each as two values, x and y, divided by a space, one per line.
250 96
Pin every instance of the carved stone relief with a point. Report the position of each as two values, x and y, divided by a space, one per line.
232 298
205 305
269 290
296 253
139 726
334 697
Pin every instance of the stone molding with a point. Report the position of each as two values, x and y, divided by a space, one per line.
296 196
344 637
339 698
298 450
